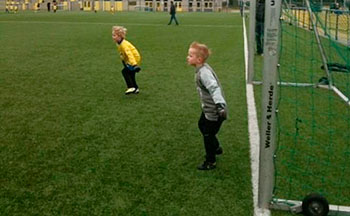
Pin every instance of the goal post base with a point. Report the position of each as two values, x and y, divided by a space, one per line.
317 85
295 207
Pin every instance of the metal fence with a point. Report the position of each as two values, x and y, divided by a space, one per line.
332 22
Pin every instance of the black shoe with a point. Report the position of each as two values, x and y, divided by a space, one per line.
219 151
207 166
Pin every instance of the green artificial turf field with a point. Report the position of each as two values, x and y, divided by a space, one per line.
71 142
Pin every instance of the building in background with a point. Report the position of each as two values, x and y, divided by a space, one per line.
117 5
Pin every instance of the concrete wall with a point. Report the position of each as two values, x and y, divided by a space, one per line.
182 6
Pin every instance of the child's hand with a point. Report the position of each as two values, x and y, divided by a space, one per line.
221 111
134 68
137 68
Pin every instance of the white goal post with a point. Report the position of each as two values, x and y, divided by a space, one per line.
269 102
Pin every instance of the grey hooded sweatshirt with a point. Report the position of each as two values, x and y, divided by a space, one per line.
210 91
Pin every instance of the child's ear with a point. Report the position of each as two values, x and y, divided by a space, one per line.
200 60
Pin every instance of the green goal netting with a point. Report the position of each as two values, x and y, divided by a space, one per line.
313 109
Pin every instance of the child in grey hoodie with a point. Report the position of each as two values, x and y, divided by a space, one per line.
214 110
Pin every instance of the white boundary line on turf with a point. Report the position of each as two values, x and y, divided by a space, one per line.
116 23
253 129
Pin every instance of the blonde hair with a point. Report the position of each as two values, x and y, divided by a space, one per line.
119 30
201 50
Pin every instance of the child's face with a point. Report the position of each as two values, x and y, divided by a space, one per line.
192 58
116 37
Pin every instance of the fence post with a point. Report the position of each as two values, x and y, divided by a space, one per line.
251 41
336 25
326 23
304 18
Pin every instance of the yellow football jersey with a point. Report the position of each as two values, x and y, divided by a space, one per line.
128 53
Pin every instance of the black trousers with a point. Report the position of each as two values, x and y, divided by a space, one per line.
173 18
129 77
209 129
259 37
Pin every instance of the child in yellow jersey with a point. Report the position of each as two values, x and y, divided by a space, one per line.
131 59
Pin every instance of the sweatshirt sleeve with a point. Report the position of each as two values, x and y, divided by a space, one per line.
210 83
